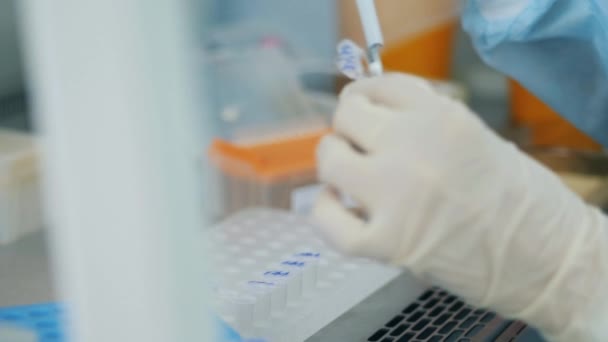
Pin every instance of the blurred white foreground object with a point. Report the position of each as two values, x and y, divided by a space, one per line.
117 110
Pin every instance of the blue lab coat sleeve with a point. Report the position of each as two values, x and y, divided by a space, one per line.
558 49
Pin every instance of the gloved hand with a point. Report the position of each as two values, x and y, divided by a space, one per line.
448 199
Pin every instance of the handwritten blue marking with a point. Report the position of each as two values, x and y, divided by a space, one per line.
309 255
277 273
294 263
256 282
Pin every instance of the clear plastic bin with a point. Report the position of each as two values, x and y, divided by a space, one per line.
263 174
20 209
256 93
265 124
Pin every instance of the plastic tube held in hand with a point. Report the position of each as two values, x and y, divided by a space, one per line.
373 35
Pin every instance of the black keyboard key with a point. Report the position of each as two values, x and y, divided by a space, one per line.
464 340
480 311
442 294
475 330
428 294
449 299
400 330
454 336
488 317
457 306
436 311
406 338
393 322
447 328
431 303
378 335
420 325
387 339
442 319
415 317
435 339
468 323
462 314
410 308
426 333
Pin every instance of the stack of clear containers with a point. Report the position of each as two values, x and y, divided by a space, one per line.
264 174
266 125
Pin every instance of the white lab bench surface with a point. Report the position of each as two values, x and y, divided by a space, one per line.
25 276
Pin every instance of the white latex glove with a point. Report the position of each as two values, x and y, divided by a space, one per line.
454 203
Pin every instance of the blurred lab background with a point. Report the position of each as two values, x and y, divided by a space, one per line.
273 86
270 77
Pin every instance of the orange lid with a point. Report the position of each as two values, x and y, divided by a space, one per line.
268 161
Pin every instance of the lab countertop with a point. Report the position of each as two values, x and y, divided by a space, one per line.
24 272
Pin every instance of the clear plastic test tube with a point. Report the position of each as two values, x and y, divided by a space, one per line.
373 35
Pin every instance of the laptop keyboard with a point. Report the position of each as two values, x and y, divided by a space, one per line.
436 316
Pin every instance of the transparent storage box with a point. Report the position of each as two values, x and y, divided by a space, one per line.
266 126
256 93
20 209
263 174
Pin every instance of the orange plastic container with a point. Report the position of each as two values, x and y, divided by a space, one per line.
428 54
547 128
418 34
264 174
